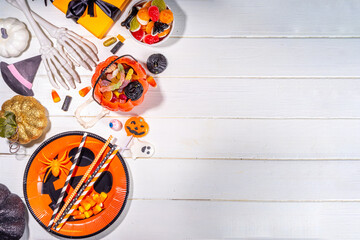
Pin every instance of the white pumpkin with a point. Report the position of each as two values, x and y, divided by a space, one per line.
14 37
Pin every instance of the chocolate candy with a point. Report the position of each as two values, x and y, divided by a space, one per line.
156 63
126 22
116 47
134 90
66 104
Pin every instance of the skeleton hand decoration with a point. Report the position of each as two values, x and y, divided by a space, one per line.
59 63
85 53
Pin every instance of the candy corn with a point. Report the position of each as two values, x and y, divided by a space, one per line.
151 81
55 96
83 92
88 213
97 209
80 216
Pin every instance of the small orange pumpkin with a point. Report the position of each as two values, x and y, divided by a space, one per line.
136 126
117 106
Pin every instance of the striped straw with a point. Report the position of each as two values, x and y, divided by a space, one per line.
63 190
86 187
87 173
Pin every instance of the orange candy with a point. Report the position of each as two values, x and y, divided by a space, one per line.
166 16
143 15
164 33
83 92
80 216
151 81
149 27
55 96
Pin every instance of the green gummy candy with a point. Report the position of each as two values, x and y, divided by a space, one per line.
160 4
134 25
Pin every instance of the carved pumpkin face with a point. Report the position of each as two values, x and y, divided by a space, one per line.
136 126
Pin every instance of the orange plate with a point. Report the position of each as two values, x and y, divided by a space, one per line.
41 197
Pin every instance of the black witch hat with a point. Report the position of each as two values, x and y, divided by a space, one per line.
19 76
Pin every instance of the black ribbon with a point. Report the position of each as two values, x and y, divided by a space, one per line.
76 9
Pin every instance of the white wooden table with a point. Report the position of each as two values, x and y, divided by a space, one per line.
256 123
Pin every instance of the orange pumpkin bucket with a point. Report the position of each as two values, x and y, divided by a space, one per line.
119 84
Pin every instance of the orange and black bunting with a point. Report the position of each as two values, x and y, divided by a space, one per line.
41 197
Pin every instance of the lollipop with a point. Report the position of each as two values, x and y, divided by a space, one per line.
156 63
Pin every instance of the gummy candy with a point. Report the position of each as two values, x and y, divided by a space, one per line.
126 22
108 95
134 90
55 96
109 42
115 125
83 92
139 35
66 104
164 33
166 16
134 25
154 13
159 28
129 74
156 63
160 4
149 27
143 16
150 39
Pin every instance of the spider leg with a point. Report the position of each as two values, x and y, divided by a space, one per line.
63 158
44 170
45 178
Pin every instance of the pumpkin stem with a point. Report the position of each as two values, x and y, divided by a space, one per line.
4 33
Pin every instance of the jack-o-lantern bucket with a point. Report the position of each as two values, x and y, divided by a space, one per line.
106 88
119 84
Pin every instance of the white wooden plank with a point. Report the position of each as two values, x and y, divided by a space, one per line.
229 220
231 57
226 180
259 18
234 138
217 97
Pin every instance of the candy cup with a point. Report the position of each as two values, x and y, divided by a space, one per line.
115 125
154 13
